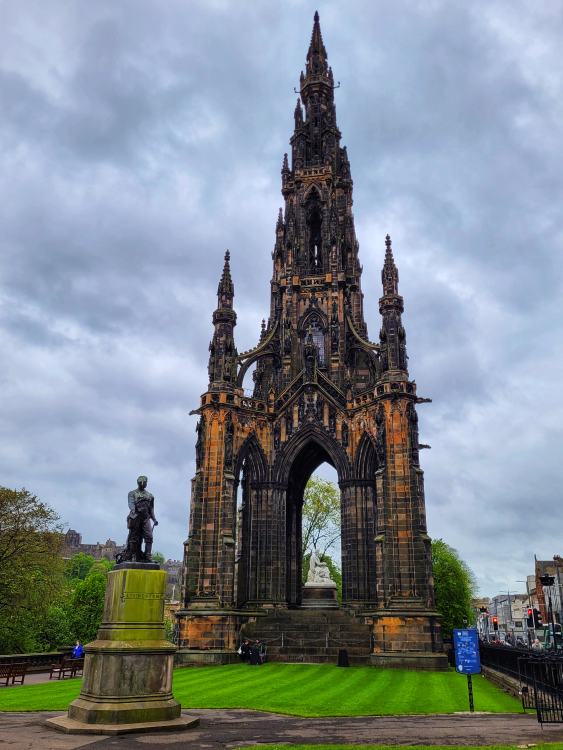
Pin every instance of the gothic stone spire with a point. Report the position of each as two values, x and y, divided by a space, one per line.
222 350
226 289
316 136
392 337
316 56
389 274
315 235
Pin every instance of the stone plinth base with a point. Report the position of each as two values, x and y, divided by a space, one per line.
316 596
406 638
128 669
213 630
195 657
410 660
71 726
95 710
137 566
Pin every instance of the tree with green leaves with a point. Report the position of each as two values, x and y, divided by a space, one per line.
103 565
454 587
77 611
54 631
86 605
321 526
31 567
78 566
321 516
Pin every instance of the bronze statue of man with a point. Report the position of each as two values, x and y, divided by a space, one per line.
140 522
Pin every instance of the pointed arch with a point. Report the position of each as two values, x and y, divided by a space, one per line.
309 447
251 474
314 216
365 464
313 192
312 313
257 463
316 320
247 364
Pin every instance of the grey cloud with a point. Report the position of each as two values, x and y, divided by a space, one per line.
139 141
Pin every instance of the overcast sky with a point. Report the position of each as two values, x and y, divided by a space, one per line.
139 139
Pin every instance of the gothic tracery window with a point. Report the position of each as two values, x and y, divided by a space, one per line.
315 239
317 334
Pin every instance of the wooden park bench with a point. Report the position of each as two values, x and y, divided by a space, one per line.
78 666
9 673
67 667
5 673
18 672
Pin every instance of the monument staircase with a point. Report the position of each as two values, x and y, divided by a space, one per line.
311 635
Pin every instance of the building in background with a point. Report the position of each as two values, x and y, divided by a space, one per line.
515 613
531 591
482 607
511 611
553 568
480 603
174 580
73 545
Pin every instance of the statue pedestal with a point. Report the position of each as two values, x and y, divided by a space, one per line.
127 683
319 595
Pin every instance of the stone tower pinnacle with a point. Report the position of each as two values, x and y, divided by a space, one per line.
392 337
222 350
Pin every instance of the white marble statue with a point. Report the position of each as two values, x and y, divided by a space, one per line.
319 574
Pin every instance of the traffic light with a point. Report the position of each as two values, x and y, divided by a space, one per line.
538 623
495 623
530 618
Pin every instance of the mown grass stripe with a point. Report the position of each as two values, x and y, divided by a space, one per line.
300 690
279 746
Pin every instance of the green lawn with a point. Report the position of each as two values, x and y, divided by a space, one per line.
298 689
541 746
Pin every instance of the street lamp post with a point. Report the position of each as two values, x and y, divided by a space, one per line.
547 581
510 620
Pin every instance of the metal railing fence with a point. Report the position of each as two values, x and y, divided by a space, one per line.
540 677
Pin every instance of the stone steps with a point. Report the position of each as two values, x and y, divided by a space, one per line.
292 628
314 636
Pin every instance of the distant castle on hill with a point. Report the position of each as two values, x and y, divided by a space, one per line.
73 545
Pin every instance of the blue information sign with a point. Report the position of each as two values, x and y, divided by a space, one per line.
466 647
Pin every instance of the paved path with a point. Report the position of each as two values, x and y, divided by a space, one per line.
226 729
33 678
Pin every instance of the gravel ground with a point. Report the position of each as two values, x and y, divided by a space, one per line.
220 729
